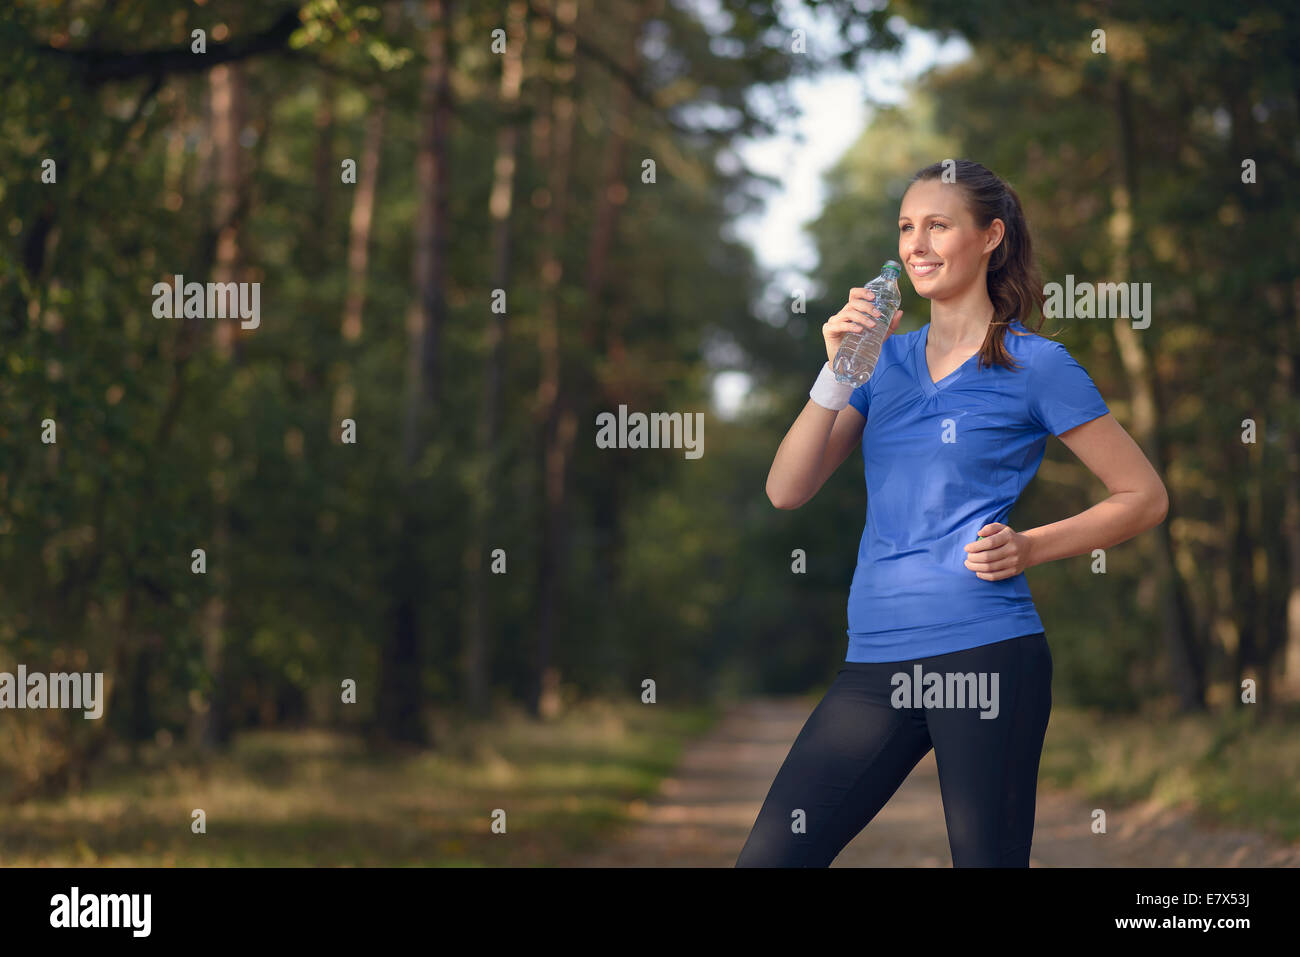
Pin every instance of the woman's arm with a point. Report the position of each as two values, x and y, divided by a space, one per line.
816 445
821 438
1138 501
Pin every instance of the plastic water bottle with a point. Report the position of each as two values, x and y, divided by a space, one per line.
856 358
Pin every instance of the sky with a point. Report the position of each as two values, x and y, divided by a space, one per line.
834 110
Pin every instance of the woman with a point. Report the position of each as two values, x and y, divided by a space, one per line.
953 423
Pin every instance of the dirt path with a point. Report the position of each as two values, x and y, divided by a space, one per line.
703 813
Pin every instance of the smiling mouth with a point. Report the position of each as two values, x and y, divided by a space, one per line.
924 269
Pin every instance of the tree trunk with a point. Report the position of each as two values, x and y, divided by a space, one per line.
359 225
429 309
363 214
326 178
611 195
1181 632
484 485
559 426
401 658
1290 391
226 89
1244 597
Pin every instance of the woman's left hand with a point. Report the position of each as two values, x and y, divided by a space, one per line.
1000 553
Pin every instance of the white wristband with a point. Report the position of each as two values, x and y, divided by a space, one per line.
829 392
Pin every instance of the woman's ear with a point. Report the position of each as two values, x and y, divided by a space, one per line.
997 229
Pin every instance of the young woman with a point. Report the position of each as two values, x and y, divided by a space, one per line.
953 423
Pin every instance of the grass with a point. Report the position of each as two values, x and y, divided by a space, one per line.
1229 765
312 798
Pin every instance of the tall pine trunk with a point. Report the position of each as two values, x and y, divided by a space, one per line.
1288 397
362 218
359 226
401 658
227 99
1181 632
558 424
611 195
483 490
1289 393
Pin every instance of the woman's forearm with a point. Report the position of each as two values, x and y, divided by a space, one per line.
1116 519
796 468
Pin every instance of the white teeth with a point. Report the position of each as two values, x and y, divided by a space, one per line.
922 270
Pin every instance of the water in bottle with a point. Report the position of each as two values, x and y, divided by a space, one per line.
856 358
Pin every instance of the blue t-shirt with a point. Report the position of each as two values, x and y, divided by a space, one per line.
942 460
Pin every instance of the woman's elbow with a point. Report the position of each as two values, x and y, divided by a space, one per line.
781 499
1159 504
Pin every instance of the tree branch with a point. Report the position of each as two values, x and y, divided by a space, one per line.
105 66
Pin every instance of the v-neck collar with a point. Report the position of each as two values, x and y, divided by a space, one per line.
922 368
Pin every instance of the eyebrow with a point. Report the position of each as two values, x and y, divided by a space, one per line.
927 216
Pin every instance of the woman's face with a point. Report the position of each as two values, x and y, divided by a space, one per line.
938 243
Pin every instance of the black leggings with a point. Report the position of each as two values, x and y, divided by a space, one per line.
856 748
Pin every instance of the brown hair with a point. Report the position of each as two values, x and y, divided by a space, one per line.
1014 283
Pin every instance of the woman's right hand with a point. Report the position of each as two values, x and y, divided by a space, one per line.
858 315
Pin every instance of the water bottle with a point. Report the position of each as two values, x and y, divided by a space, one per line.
856 357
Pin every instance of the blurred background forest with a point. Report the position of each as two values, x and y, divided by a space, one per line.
539 229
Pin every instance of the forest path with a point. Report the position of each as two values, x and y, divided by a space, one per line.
703 811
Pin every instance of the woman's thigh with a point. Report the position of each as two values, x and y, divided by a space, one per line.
988 749
851 755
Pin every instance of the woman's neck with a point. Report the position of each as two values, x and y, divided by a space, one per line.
961 322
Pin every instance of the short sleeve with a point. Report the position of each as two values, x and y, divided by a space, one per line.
1061 393
860 398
